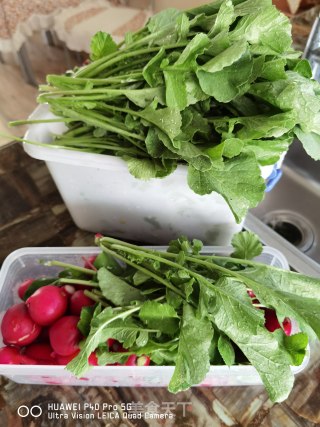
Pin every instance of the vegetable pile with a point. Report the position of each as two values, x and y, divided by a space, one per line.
217 88
139 306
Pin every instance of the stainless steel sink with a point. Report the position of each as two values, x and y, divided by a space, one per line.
292 208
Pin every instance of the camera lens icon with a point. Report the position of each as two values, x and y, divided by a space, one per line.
35 411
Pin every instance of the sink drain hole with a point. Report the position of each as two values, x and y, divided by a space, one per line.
289 231
293 227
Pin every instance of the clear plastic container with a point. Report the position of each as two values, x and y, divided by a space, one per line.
102 196
24 263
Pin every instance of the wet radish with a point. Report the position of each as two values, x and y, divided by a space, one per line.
47 304
79 300
12 356
64 360
41 352
65 336
17 327
24 286
272 322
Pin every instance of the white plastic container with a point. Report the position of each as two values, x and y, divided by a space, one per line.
24 263
102 196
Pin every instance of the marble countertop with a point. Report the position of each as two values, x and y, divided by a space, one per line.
33 214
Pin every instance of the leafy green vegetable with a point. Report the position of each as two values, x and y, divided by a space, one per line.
205 88
116 289
102 45
247 245
192 363
160 316
226 350
190 310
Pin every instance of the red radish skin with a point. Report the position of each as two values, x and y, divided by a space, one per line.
115 346
41 352
64 360
24 287
93 359
88 262
287 326
12 356
79 300
17 327
47 304
65 336
272 323
131 361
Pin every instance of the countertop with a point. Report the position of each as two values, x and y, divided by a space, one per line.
33 214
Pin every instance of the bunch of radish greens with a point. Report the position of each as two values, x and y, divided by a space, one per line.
191 311
217 88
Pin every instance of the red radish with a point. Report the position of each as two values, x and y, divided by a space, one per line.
43 353
79 300
115 346
110 342
287 326
64 360
93 359
131 361
272 322
17 327
88 262
24 287
12 356
65 335
47 304
251 293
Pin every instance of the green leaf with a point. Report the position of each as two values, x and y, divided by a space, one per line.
274 69
100 331
102 44
226 350
160 316
152 72
231 81
234 314
116 290
149 168
238 180
291 294
108 358
247 245
105 260
310 142
85 319
224 19
296 345
166 119
192 363
258 28
268 151
226 58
